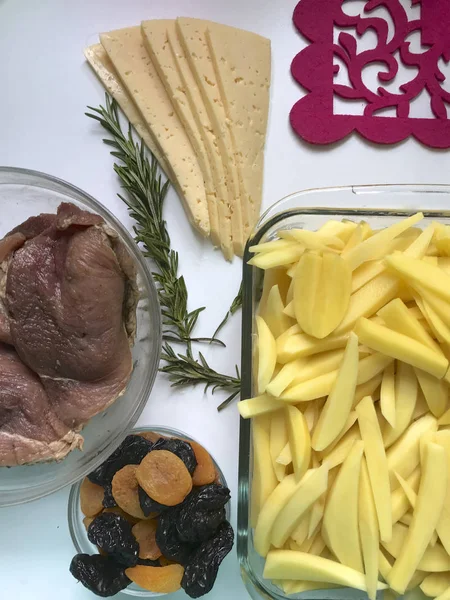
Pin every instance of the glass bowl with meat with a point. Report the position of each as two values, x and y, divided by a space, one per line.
80 334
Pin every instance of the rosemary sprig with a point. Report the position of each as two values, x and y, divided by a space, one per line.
145 200
183 370
235 306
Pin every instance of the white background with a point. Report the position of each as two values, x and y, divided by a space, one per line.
45 86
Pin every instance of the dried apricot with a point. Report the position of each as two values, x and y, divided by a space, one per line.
118 511
125 491
87 521
145 532
150 436
157 579
205 471
91 498
164 477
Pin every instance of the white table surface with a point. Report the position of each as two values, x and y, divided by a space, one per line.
45 87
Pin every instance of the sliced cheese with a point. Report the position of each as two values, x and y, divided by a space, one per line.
156 40
136 71
104 69
192 35
242 65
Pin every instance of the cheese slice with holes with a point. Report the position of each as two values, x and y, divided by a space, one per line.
192 35
242 64
126 51
193 116
104 69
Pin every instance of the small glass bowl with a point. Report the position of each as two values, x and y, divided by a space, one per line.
75 516
24 194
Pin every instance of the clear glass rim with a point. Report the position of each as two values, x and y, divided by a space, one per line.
271 217
9 176
74 498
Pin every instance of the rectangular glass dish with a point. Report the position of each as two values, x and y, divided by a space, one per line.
306 210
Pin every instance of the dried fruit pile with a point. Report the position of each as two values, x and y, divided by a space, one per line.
156 513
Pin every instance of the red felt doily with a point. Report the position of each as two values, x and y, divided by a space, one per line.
316 67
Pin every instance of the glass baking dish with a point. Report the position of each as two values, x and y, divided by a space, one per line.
380 205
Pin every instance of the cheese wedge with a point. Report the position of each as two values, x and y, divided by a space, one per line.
104 69
242 66
192 35
156 40
136 71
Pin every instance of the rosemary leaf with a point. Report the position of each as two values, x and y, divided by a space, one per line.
235 306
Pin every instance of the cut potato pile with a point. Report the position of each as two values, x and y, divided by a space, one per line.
351 421
197 93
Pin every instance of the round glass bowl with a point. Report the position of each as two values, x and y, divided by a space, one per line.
26 193
75 516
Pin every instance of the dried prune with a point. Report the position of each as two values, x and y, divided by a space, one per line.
201 570
168 541
208 497
108 498
163 580
112 533
91 498
149 506
148 562
196 527
125 491
130 452
205 471
99 574
118 511
145 532
181 448
164 477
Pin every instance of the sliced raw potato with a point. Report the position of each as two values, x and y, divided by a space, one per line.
136 71
369 388
277 258
155 35
192 36
302 369
276 276
269 512
430 501
409 492
104 69
399 346
285 456
322 286
339 403
271 246
340 452
300 533
365 273
435 392
374 247
406 389
387 394
260 405
312 240
440 306
278 439
318 387
397 317
445 419
377 464
368 531
287 564
442 438
434 560
264 478
297 587
368 299
340 520
275 318
435 584
415 271
351 420
399 501
421 407
267 354
293 344
310 489
311 414
340 229
299 440
242 66
384 567
404 456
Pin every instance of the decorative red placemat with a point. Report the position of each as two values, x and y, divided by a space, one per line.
333 35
